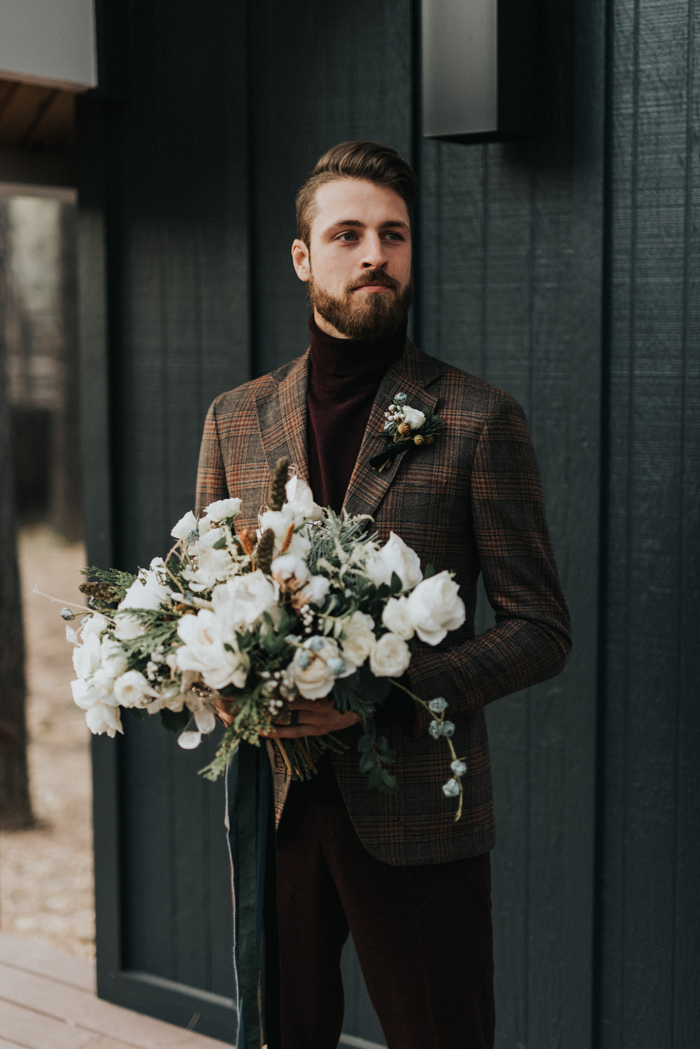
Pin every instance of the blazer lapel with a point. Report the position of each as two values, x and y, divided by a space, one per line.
411 374
282 419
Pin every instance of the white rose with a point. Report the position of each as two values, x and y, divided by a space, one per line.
358 641
413 417
147 591
397 618
436 607
207 539
316 666
133 690
243 600
390 657
87 657
288 565
113 657
395 556
84 695
223 509
102 718
95 623
316 591
184 526
103 682
215 565
205 638
300 500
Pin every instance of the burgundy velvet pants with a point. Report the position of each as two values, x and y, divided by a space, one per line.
422 934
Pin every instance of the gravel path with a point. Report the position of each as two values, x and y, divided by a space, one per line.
46 874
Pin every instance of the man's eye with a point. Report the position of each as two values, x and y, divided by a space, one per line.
393 235
347 235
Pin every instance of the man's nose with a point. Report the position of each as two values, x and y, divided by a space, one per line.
374 255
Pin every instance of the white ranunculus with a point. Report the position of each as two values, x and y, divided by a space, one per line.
223 509
300 500
240 602
397 618
358 637
390 656
84 695
147 590
314 667
436 607
316 591
133 690
102 718
395 556
184 526
205 637
414 417
287 565
94 623
87 657
113 657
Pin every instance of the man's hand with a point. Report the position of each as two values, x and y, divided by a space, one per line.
316 717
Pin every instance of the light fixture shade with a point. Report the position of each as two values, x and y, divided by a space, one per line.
479 66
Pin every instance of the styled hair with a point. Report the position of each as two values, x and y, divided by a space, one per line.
363 160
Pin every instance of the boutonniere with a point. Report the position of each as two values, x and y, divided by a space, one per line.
405 428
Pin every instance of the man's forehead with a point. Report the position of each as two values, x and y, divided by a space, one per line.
358 202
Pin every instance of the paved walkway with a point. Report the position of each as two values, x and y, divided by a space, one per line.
47 1001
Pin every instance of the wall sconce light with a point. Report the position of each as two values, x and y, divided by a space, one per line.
479 69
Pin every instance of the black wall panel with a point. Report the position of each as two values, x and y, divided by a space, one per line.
650 802
563 269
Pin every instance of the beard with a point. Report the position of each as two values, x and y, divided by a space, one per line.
369 317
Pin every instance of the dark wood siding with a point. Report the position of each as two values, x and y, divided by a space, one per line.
562 269
650 802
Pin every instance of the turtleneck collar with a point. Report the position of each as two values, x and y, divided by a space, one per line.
335 361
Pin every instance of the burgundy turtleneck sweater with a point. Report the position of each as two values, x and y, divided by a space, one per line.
344 376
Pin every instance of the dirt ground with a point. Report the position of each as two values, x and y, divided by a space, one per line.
46 873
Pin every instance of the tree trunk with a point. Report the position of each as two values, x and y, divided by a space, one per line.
15 803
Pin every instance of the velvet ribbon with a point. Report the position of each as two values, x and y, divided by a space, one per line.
250 824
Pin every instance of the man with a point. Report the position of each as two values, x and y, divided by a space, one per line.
412 885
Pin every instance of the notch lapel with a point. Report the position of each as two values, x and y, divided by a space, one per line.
411 374
282 417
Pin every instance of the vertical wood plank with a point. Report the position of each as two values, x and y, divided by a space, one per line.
649 909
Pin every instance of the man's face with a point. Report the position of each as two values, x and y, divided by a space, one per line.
358 262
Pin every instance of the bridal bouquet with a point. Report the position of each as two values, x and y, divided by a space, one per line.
308 604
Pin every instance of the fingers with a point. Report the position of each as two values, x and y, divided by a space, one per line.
320 726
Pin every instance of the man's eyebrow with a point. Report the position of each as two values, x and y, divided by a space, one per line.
389 224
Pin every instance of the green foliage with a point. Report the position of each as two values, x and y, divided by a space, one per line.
360 693
175 720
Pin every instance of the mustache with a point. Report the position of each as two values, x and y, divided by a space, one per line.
377 277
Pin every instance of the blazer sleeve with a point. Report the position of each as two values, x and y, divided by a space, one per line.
211 474
531 639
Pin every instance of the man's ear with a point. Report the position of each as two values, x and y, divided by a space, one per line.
301 260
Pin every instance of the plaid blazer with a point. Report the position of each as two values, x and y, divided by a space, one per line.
471 502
